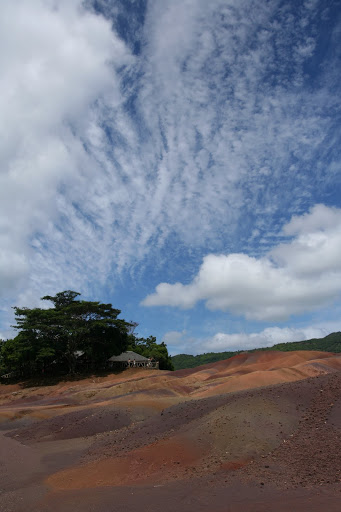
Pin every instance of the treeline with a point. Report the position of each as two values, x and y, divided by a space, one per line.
182 361
331 343
72 336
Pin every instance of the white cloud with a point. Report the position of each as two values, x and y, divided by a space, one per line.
223 342
270 336
174 337
315 250
57 60
295 277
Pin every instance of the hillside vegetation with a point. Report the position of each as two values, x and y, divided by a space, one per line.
330 343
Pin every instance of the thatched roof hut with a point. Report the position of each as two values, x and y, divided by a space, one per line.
126 356
132 359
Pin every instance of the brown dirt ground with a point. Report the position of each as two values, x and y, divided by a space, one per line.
255 433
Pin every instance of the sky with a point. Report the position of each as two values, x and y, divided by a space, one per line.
180 160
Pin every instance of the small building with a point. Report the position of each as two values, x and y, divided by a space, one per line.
131 359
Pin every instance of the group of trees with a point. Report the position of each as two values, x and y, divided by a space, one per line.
76 334
148 347
182 361
71 335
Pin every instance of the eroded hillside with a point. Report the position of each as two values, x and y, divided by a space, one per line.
261 420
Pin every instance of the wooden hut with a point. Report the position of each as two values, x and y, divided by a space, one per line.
131 359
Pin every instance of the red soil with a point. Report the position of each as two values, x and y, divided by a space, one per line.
155 463
235 435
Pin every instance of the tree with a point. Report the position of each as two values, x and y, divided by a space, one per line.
148 347
62 299
61 334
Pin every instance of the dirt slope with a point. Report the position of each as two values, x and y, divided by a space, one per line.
242 430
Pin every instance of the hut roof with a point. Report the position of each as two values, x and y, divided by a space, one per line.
125 356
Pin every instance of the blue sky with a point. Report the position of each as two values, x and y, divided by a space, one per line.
180 160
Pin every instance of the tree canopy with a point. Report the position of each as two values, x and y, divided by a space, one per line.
72 332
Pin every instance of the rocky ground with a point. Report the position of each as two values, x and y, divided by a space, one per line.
252 434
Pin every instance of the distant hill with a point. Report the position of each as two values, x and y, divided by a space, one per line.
331 343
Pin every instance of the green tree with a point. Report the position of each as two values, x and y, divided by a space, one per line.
13 356
148 347
62 333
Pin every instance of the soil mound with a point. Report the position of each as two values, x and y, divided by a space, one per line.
242 432
75 424
215 435
310 456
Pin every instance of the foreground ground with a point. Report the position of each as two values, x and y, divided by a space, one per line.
258 432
